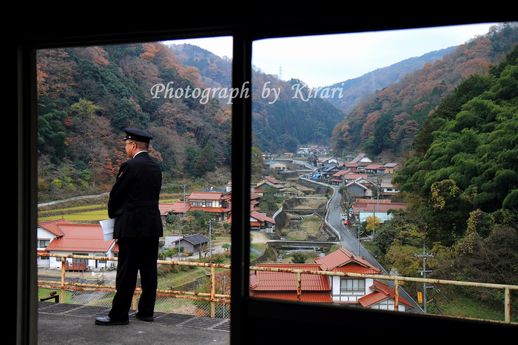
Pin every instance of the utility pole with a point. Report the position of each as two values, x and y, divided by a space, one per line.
378 186
425 256
358 234
184 194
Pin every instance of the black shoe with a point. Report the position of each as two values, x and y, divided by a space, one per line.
108 321
144 318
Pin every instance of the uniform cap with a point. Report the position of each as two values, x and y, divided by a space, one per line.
137 134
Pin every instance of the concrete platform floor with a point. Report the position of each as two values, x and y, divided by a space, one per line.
60 324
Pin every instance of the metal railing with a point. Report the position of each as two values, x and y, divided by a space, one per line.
214 297
397 280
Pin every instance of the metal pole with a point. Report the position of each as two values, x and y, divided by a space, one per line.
224 289
210 240
358 234
423 272
396 296
212 291
425 308
507 305
376 204
63 270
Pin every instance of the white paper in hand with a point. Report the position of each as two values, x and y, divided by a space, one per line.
107 226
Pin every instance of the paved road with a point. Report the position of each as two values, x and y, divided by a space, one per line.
56 202
350 242
347 239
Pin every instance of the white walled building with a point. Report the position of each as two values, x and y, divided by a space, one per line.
74 239
365 292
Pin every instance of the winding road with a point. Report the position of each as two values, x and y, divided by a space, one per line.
350 242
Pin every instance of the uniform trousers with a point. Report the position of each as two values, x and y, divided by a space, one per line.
135 254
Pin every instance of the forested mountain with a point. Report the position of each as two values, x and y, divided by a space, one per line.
215 71
279 126
288 122
86 96
389 120
462 187
354 90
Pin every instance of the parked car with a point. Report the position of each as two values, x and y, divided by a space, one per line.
346 222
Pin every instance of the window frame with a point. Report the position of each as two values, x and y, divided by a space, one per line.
352 291
249 316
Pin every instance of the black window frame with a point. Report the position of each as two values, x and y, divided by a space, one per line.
285 321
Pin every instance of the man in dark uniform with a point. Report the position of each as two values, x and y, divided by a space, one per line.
134 205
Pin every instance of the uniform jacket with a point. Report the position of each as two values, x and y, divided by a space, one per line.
134 198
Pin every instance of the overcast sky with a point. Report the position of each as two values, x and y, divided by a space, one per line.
325 60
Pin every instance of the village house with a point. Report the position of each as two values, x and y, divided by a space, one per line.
390 168
357 291
270 181
378 208
259 221
328 170
47 232
220 205
192 244
346 176
374 169
361 159
74 239
388 190
283 286
353 167
359 188
217 203
277 166
177 208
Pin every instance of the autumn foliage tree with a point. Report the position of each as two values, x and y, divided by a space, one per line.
402 108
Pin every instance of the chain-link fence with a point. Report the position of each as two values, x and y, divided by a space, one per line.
193 288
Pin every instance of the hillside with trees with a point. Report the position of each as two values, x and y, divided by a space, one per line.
461 186
388 121
277 127
86 96
354 90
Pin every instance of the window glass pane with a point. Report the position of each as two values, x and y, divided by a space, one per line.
108 115
386 153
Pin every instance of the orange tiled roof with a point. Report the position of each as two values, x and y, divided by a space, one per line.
381 292
206 196
343 259
375 166
306 296
209 209
354 176
82 238
281 281
53 226
177 207
381 207
372 201
354 268
341 173
272 179
262 217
